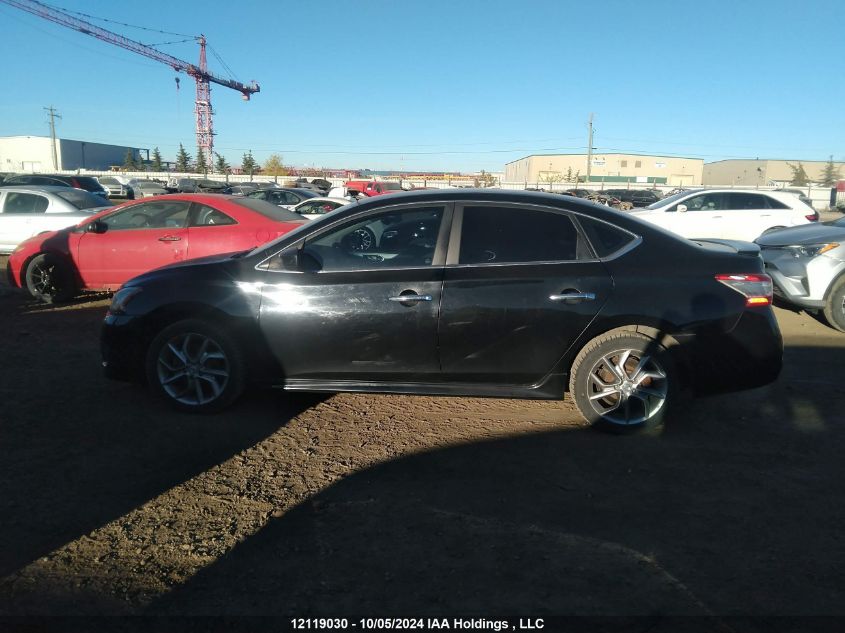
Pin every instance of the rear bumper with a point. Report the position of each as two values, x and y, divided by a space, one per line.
750 355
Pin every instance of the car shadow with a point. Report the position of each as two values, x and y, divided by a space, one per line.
733 510
77 451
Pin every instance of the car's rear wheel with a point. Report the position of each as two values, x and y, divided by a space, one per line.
195 367
834 309
49 279
624 382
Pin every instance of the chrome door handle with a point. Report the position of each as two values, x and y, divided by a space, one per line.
574 296
169 238
407 298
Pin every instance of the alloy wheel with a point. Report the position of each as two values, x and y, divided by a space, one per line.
627 387
192 369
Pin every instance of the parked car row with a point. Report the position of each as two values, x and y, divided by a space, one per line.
576 296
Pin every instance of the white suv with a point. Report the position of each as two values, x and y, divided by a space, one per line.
727 213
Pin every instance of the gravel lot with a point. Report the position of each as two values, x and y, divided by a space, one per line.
397 505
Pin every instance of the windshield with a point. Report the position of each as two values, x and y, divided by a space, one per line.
391 186
267 210
671 199
83 200
147 184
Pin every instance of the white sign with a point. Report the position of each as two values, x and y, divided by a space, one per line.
660 165
598 162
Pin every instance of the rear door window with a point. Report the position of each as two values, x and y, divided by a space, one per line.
741 201
25 203
509 235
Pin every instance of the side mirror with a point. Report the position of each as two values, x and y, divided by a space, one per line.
97 226
682 208
297 260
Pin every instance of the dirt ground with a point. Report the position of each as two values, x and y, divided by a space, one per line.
410 506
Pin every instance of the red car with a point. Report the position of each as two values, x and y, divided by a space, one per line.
111 247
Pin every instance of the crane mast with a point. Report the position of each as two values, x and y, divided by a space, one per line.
200 73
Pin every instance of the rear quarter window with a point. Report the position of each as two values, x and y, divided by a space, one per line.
605 239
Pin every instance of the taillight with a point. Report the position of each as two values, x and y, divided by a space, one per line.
757 288
814 217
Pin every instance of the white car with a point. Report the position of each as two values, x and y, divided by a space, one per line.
315 207
727 213
28 211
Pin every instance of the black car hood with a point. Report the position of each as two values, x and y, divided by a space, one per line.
815 233
179 267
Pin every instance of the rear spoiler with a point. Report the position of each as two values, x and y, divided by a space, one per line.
742 248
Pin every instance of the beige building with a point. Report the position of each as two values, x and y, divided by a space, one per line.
606 168
761 172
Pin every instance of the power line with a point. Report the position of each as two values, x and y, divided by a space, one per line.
101 19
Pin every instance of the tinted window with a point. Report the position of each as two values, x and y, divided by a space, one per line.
207 216
741 201
498 235
606 239
150 215
266 209
83 199
25 203
86 182
405 239
107 180
775 204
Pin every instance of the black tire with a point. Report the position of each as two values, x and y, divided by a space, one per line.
834 307
634 404
49 278
212 367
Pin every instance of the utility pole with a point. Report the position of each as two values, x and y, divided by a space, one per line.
590 148
53 117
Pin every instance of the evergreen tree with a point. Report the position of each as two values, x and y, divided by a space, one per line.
799 175
183 159
220 164
830 174
156 165
248 164
202 165
129 161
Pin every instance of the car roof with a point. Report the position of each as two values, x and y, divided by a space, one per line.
38 188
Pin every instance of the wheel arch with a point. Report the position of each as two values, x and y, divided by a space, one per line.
243 330
660 332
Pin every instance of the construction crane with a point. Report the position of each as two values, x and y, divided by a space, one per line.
200 73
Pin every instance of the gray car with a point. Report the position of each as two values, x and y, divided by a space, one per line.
807 265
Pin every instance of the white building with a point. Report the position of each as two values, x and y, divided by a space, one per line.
35 154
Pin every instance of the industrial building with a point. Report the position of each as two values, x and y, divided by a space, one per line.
35 154
762 172
606 168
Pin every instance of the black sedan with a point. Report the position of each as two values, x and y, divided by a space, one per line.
457 292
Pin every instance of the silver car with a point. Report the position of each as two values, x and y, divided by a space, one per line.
807 265
28 211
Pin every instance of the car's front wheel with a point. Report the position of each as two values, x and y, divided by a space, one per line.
49 279
834 309
195 367
624 382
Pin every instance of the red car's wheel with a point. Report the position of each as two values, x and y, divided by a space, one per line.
49 279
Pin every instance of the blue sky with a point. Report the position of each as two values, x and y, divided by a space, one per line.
435 85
